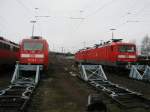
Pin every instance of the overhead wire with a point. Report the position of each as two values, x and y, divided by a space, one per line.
76 29
128 13
142 9
41 31
33 13
101 8
81 18
28 10
132 14
3 24
98 10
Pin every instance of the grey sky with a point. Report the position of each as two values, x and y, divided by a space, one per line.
66 26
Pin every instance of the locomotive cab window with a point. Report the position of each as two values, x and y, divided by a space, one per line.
126 48
33 46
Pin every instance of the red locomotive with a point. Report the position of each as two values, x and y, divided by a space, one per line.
9 52
34 51
111 53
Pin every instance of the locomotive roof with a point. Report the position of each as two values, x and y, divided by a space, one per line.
8 41
30 39
107 44
122 43
33 38
36 37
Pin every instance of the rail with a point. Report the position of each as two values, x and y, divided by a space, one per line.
17 95
122 96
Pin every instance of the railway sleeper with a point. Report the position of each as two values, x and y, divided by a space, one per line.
125 100
125 97
11 101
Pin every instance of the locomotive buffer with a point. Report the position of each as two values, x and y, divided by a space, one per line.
17 95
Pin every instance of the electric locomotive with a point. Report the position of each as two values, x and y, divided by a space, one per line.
111 53
34 51
9 52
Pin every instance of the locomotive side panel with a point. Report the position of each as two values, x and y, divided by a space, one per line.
46 54
9 52
112 54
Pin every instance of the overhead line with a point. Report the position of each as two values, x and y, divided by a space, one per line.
125 15
23 5
101 8
142 9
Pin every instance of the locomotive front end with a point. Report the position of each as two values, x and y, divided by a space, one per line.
31 53
126 54
34 52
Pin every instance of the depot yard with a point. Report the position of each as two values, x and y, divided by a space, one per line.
62 91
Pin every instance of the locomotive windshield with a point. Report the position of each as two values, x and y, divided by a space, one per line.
32 46
126 48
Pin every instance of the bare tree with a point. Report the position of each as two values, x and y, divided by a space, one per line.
145 46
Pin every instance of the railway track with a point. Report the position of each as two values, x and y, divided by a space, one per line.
16 96
95 76
122 96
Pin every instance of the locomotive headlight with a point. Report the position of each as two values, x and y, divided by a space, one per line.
25 55
121 56
39 56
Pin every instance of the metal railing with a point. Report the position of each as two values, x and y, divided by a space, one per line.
140 72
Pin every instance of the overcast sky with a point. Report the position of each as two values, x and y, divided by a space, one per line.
75 23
